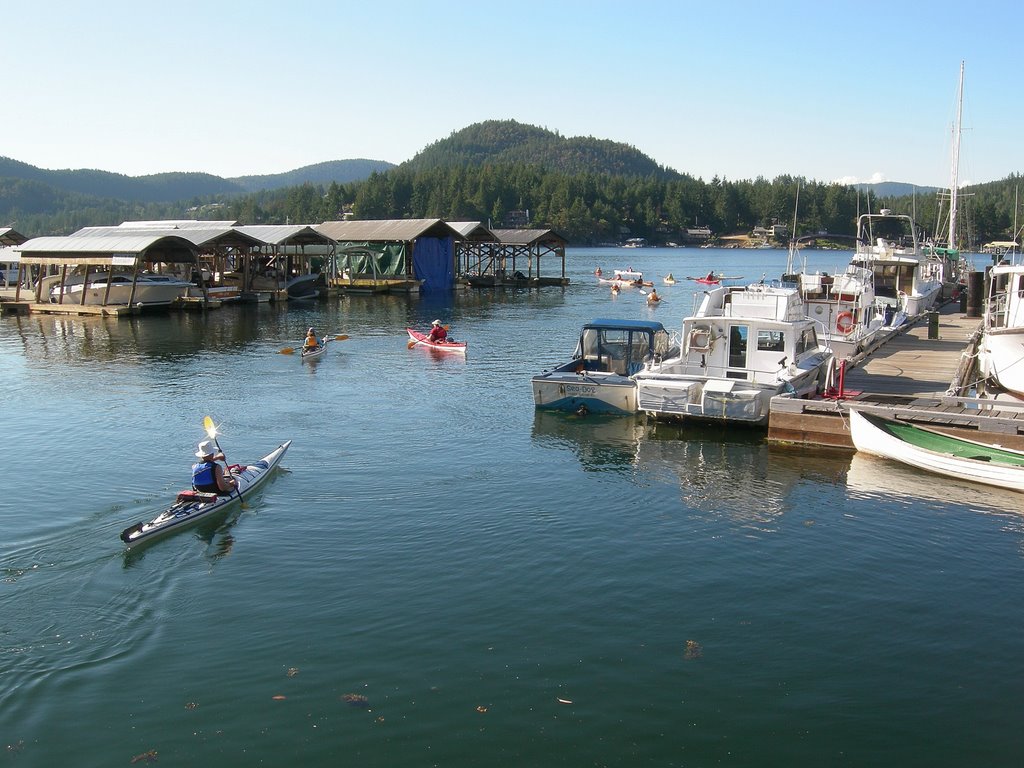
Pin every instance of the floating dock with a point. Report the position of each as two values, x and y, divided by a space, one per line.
913 376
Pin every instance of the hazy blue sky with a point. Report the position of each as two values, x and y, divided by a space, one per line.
829 90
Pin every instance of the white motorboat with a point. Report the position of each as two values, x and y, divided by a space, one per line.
626 278
104 289
908 275
742 346
1001 347
598 377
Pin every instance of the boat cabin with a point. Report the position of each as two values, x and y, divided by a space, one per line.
621 346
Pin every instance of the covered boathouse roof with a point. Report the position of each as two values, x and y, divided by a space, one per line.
530 237
386 230
127 250
9 236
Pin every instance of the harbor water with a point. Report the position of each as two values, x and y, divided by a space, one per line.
441 576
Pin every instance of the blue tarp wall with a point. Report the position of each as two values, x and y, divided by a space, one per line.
433 262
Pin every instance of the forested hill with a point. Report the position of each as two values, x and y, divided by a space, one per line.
507 142
334 171
162 187
172 187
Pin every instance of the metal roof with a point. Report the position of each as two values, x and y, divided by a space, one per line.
472 230
102 249
528 236
634 325
286 234
386 230
9 236
176 224
212 236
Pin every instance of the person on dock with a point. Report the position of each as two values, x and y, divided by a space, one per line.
208 476
311 341
438 332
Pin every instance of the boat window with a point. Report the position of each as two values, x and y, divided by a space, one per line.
589 343
771 341
639 346
738 346
662 343
808 342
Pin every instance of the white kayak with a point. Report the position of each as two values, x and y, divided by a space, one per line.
193 506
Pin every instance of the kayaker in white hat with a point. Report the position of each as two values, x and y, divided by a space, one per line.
437 332
208 476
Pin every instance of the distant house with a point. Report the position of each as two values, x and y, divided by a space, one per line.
696 234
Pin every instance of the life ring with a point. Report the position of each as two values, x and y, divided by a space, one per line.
844 322
700 339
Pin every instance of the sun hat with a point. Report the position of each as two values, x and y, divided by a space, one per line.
207 448
311 331
436 322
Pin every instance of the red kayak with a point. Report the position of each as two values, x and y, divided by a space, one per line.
422 339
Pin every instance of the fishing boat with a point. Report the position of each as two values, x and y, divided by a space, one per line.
627 278
850 317
907 274
937 452
106 289
598 376
422 339
192 506
1001 347
742 346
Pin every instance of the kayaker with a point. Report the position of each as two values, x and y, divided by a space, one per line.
437 332
653 297
311 341
711 276
208 476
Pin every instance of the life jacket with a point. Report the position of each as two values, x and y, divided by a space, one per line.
203 477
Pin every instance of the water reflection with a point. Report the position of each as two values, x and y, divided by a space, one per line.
734 472
873 478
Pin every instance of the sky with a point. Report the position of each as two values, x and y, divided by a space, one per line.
828 90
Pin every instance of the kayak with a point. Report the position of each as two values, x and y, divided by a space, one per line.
314 352
714 281
192 506
421 339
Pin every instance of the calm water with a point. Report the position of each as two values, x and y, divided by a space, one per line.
442 576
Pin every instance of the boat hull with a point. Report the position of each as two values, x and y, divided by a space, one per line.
880 437
187 512
421 339
592 392
148 293
1001 358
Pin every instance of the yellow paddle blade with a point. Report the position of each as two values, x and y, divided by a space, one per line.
341 337
411 344
288 351
210 427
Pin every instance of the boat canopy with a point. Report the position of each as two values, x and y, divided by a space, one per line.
632 325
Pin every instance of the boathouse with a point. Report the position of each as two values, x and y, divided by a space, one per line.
394 254
132 250
511 256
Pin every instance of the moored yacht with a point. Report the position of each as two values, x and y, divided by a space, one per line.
742 346
106 289
845 306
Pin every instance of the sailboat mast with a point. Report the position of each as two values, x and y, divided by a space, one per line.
954 181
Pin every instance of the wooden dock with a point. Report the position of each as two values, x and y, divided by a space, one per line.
910 376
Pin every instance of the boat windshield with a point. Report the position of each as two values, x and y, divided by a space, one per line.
625 349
